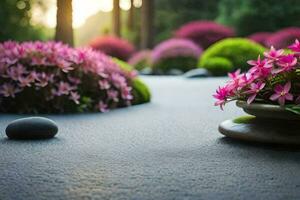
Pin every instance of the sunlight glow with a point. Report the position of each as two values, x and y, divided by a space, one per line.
82 9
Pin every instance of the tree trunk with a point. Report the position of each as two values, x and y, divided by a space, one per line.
116 18
64 29
131 16
147 19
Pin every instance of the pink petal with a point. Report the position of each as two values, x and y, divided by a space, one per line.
262 86
252 62
251 99
287 87
281 100
289 96
278 88
274 96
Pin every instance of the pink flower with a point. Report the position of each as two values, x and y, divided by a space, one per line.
274 54
282 93
261 68
27 80
102 107
286 63
64 65
235 74
39 60
104 84
255 88
113 94
126 93
43 79
118 80
295 47
63 89
9 90
221 96
16 72
74 96
237 81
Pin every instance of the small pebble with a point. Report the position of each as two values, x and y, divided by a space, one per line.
197 73
31 128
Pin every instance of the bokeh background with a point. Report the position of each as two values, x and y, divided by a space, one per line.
153 34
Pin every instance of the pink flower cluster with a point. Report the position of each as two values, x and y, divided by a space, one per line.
52 77
283 37
204 33
113 46
260 37
143 56
173 48
272 79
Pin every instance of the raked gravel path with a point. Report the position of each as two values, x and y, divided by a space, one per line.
167 149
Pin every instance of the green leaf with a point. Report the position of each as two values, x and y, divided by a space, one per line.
293 108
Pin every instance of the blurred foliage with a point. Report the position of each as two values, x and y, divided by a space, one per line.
182 63
237 50
16 20
170 14
218 66
249 16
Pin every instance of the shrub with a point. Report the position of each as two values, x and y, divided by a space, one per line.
284 37
218 66
260 37
204 33
140 91
113 46
141 59
179 54
50 77
236 50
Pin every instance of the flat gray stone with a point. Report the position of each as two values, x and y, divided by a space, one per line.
31 128
197 73
252 129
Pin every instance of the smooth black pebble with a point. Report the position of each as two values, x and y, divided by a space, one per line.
31 128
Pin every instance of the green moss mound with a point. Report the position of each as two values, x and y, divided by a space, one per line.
236 50
218 66
140 91
181 63
244 119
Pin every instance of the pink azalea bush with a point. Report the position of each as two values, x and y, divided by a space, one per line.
50 77
284 37
274 79
175 54
260 37
113 46
204 33
140 59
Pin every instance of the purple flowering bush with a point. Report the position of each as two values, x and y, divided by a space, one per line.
179 54
113 46
274 79
140 59
260 37
204 33
284 37
50 77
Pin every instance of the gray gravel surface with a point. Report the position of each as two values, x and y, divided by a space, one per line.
167 149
